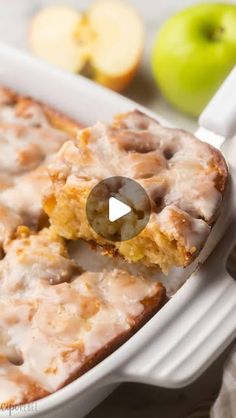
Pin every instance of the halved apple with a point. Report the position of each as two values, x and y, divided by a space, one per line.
105 43
53 37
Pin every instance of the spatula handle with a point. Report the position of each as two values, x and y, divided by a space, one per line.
220 114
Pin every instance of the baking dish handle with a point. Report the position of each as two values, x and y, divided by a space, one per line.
189 332
220 114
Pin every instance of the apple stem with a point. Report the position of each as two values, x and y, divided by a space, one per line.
217 33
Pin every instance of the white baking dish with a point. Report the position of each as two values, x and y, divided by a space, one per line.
187 334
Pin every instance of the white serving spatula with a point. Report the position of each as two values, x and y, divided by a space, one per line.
218 121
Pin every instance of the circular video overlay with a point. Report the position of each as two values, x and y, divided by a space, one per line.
118 208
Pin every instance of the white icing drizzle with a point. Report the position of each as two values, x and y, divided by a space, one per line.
174 167
53 318
27 143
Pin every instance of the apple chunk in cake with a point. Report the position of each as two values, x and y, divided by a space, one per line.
56 322
184 178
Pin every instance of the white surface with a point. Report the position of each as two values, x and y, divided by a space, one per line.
117 209
219 115
183 337
14 25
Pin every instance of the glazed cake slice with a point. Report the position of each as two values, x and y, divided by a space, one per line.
16 387
24 197
184 178
56 322
30 133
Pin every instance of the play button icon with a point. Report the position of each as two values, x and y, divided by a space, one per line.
118 208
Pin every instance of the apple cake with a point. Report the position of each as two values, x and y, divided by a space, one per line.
30 133
184 178
77 317
46 299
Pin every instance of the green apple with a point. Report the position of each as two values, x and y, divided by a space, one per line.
193 53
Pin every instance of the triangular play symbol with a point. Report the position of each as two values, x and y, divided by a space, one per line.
117 209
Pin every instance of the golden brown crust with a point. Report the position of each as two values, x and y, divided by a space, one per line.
57 119
34 393
151 307
7 96
219 163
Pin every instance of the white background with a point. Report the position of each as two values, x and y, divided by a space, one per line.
14 22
